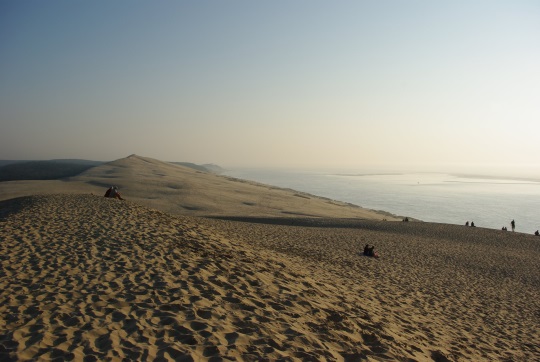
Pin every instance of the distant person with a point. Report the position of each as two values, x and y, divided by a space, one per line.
472 224
504 228
406 219
370 251
513 223
536 233
115 194
366 250
467 223
112 192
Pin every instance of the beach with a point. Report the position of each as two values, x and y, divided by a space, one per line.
88 278
490 201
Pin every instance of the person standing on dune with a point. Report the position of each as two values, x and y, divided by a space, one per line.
513 223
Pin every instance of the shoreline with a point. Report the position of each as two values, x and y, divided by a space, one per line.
434 200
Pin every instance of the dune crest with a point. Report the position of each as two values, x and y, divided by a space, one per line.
182 190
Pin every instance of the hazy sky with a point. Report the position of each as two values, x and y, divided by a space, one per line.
272 83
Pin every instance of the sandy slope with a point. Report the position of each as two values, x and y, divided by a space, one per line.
184 191
89 278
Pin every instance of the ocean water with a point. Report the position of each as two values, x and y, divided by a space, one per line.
491 202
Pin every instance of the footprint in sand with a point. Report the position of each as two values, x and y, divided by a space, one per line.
204 313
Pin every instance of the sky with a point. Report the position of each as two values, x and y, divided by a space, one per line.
339 84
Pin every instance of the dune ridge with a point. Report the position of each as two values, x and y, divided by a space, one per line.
182 190
89 278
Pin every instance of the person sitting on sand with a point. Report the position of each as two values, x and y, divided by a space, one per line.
366 250
370 251
472 223
537 233
115 194
467 223
112 192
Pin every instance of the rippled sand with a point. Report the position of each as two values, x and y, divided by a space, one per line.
88 278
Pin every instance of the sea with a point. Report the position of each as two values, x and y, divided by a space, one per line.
488 201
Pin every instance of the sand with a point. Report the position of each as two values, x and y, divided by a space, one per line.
184 191
88 278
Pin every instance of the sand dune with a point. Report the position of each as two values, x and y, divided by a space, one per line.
184 191
89 278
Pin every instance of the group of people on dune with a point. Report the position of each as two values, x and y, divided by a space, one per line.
504 228
112 192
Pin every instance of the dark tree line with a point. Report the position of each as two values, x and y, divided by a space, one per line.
41 170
